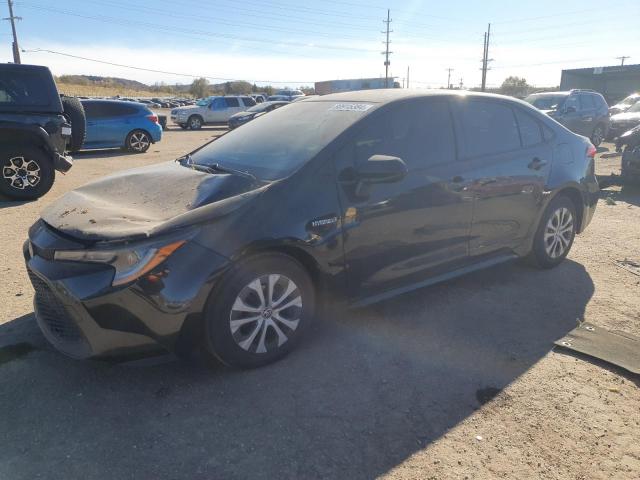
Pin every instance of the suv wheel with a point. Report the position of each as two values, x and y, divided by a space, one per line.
194 122
555 234
138 141
260 312
27 173
597 136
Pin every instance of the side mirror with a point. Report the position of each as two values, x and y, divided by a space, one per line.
382 169
570 110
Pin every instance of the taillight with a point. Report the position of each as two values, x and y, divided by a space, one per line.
153 118
591 151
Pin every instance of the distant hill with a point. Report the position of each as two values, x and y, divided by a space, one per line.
102 81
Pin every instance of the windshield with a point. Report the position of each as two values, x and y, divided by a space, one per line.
203 103
635 108
546 102
630 100
274 146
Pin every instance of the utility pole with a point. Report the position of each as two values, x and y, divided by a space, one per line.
12 19
407 77
386 53
461 83
622 59
485 57
449 70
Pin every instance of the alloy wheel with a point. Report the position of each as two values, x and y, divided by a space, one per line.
265 313
558 232
21 173
195 123
597 136
139 141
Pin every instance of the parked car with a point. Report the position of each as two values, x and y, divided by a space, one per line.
278 98
260 109
290 94
626 104
584 112
149 103
629 144
119 124
38 128
210 111
622 122
357 196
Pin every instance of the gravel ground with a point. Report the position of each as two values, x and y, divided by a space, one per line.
458 381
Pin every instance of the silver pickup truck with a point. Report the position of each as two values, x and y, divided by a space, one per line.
210 111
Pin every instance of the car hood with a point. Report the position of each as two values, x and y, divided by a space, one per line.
147 201
185 108
626 117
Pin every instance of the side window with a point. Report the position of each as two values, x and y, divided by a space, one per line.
586 102
248 101
529 129
218 104
90 110
485 127
121 110
572 101
232 101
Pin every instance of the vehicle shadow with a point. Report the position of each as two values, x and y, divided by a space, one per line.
369 388
628 193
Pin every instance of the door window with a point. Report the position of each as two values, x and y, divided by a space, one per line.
485 127
529 129
572 101
586 102
218 104
232 102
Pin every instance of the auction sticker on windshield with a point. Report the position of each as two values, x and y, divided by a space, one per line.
352 107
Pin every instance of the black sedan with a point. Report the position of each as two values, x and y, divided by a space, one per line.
350 198
241 118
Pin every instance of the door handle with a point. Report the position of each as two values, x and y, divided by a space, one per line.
536 164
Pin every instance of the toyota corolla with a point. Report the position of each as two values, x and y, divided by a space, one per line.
353 197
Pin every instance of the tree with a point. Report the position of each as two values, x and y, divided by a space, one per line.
199 88
515 86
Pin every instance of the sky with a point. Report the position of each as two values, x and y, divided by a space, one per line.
294 43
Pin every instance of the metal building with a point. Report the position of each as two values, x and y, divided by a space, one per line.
614 83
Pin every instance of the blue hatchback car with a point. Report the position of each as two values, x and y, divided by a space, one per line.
118 124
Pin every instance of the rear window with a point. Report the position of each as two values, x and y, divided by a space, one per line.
546 102
486 127
24 89
587 102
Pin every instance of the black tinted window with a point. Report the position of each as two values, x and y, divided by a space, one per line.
232 101
485 127
586 102
108 109
23 88
529 129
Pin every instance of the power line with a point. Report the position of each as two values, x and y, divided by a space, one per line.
165 72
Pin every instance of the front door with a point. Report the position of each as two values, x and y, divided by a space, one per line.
398 233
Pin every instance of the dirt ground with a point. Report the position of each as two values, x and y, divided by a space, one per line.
457 381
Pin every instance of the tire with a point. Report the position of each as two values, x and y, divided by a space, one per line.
597 136
138 141
241 330
74 112
26 173
195 122
549 252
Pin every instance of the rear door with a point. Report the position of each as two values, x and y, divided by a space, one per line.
572 116
503 148
588 113
398 233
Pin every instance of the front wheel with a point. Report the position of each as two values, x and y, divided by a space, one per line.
138 141
597 136
195 122
555 234
27 173
260 311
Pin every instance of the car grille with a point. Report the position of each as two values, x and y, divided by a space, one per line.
53 315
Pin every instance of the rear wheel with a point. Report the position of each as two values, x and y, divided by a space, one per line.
138 141
555 234
260 311
27 173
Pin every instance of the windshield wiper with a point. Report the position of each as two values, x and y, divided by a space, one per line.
187 161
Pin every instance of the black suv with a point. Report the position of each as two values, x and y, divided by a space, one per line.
584 112
37 127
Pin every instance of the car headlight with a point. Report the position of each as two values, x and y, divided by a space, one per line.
129 264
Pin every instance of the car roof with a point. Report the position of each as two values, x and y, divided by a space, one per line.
117 102
388 95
